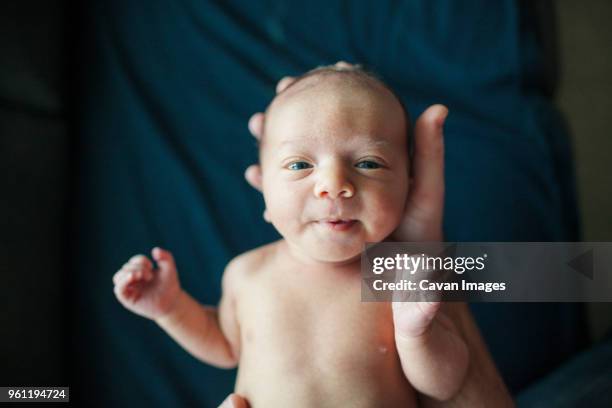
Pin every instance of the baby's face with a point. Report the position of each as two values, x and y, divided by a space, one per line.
335 166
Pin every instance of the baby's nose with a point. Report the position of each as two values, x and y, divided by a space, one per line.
333 183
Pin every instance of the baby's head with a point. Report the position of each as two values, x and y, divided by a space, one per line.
334 159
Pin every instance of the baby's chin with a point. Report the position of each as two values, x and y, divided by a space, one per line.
331 251
341 256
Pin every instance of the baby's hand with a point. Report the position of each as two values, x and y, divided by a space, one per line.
148 292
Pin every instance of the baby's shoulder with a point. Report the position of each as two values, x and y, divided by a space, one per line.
247 265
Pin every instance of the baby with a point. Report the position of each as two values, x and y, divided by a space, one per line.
334 160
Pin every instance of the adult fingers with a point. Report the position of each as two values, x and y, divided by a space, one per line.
284 83
257 120
427 192
253 176
256 125
234 401
413 319
344 64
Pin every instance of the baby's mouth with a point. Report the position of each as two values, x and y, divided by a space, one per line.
339 224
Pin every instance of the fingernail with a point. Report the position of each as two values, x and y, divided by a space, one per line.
442 118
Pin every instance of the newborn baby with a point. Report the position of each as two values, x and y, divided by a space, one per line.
334 160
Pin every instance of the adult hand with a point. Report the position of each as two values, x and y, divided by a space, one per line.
424 207
483 385
234 401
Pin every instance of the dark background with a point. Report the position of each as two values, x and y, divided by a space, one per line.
36 77
35 185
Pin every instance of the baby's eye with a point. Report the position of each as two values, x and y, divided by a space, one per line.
300 165
368 164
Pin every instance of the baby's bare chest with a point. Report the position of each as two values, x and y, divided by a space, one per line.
314 324
316 338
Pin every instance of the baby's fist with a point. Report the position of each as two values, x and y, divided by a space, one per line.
146 291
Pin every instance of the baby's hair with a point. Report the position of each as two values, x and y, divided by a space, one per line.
357 71
359 74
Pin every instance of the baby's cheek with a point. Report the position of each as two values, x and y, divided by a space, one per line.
283 211
386 215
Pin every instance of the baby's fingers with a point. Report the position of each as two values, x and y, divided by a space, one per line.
122 285
140 261
139 273
128 286
137 268
121 275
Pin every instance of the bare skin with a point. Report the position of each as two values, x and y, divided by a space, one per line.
421 222
291 311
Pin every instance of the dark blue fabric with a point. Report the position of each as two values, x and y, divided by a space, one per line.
168 87
585 381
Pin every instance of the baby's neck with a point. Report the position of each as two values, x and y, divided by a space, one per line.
300 259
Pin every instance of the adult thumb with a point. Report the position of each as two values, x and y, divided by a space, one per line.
234 401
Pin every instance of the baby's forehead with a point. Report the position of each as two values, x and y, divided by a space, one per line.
320 111
334 97
330 104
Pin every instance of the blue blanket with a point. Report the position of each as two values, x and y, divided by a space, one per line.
167 89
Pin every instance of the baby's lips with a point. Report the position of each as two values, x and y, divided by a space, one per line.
339 224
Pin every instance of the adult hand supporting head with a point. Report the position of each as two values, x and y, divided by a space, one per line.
234 401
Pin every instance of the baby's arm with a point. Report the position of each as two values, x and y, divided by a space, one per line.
157 295
433 355
198 330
